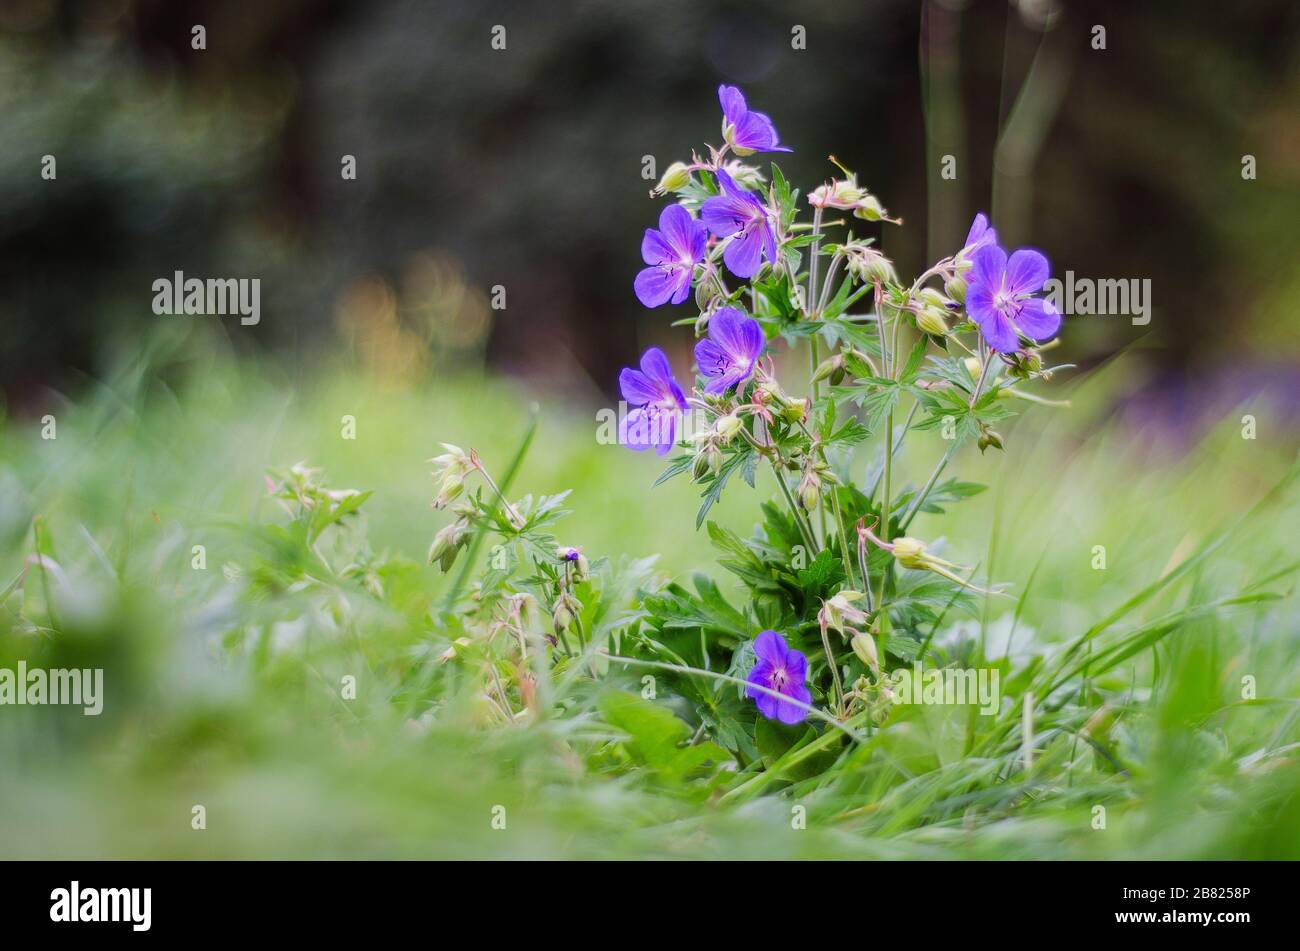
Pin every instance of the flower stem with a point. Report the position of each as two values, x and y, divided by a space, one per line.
804 528
835 672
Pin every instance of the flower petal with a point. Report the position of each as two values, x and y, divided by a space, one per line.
788 713
724 216
1038 318
655 365
770 646
744 255
637 389
655 248
768 705
755 132
725 329
733 104
1027 271
711 359
665 432
699 241
678 228
990 265
634 430
998 331
796 665
657 284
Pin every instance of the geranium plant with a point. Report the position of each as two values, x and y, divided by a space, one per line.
836 590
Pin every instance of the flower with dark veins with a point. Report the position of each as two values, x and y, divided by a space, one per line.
731 351
979 236
738 215
672 253
746 131
657 402
783 669
1000 299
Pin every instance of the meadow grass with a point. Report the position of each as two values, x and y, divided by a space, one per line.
1135 669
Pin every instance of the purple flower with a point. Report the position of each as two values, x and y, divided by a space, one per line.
980 234
658 401
748 132
737 212
784 670
672 253
734 346
998 298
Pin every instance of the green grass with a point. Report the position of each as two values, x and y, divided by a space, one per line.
1145 718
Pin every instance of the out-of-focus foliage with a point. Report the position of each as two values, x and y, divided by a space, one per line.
224 685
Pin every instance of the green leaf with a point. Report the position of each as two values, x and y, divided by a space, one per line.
655 736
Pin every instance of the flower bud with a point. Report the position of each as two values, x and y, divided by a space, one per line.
838 194
700 467
795 410
869 208
561 617
457 649
772 389
706 292
867 264
448 543
865 647
810 495
727 427
909 551
989 438
452 486
746 176
677 177
840 610
956 288
930 321
830 368
1023 364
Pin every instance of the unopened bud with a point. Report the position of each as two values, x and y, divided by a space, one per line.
746 176
865 647
810 495
956 288
909 551
700 467
930 321
727 427
795 410
829 369
989 438
452 486
448 543
706 292
675 179
561 617
869 208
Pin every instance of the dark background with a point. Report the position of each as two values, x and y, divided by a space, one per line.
523 167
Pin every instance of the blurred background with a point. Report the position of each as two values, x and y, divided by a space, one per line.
522 168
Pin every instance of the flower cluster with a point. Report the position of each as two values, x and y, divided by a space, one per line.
957 342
